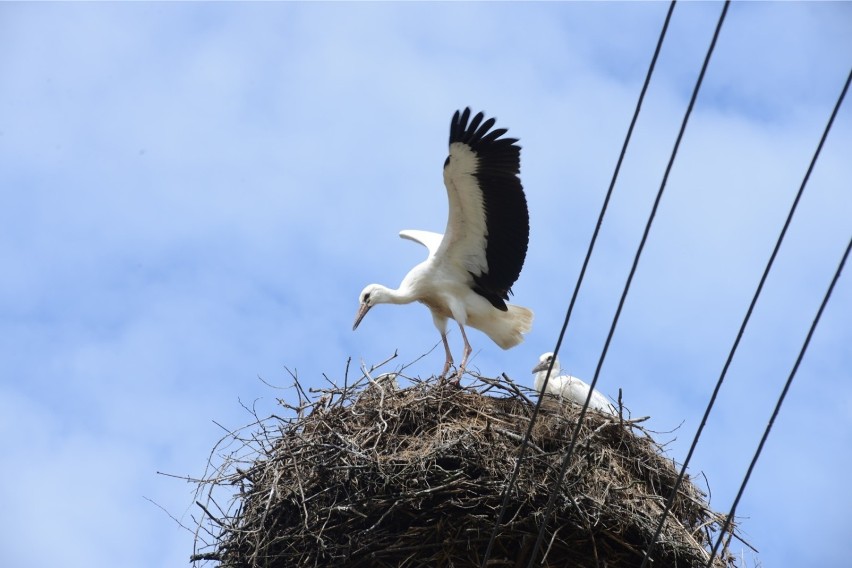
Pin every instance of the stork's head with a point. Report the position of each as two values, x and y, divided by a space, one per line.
544 364
370 296
540 370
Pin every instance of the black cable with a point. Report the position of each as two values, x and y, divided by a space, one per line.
565 461
513 479
730 516
728 520
742 328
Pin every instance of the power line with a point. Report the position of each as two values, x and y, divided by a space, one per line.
743 326
757 452
516 471
730 517
565 461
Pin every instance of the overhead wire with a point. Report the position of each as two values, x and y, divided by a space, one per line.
528 433
739 336
567 458
731 515
729 518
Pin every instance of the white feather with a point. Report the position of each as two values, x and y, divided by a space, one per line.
428 239
568 387
465 237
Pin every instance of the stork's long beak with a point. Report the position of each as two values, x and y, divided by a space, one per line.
541 367
362 311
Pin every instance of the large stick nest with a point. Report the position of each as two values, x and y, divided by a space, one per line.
375 475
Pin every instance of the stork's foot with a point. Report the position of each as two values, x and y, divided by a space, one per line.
451 377
455 378
446 370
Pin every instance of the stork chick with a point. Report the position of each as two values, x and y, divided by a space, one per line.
568 387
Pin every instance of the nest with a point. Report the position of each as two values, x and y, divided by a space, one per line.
379 476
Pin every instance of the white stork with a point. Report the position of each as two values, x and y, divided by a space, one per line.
568 387
471 267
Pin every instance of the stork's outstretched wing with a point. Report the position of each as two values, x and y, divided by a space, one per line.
488 227
428 239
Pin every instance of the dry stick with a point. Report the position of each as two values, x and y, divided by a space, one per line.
515 473
303 396
205 556
508 386
210 515
346 377
515 389
386 361
381 399
407 365
172 517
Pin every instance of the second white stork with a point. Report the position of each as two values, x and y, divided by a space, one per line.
471 267
568 387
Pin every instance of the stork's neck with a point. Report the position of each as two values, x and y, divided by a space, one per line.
539 377
385 295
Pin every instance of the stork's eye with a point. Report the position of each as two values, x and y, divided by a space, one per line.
366 297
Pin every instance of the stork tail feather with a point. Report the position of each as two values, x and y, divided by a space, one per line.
510 326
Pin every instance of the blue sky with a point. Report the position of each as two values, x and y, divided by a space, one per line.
192 196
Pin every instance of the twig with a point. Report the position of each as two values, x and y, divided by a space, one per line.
210 516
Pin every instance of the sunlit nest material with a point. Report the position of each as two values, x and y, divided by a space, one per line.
378 476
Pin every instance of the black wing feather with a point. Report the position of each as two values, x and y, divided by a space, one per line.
506 214
493 135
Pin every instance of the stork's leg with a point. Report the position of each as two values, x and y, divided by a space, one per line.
449 361
466 354
441 324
